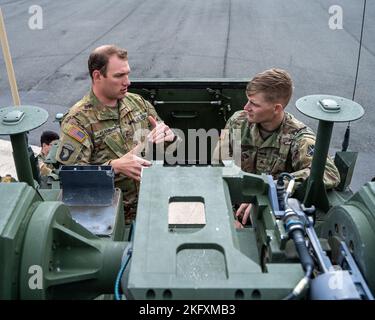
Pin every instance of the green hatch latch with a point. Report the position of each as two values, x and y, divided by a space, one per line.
13 117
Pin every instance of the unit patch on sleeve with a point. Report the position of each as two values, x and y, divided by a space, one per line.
66 151
310 150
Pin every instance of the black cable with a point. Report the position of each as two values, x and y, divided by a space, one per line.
345 143
120 274
302 250
360 47
294 294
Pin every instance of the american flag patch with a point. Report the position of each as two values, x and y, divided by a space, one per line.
77 134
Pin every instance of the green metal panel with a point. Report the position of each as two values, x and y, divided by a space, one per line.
194 104
214 261
18 202
354 222
345 163
74 263
95 218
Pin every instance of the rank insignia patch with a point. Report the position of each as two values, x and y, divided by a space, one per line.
66 151
77 134
310 150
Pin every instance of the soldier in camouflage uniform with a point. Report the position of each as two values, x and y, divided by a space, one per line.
7 179
46 140
104 127
270 140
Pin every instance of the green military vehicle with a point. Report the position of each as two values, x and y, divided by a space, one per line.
69 241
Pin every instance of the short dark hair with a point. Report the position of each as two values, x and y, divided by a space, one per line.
48 136
98 59
275 84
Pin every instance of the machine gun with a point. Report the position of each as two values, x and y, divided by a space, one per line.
342 282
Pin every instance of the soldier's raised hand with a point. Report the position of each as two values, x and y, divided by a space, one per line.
130 164
160 132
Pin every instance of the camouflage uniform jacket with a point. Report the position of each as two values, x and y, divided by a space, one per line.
92 133
289 149
45 169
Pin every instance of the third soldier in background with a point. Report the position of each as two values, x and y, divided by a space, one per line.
46 140
271 140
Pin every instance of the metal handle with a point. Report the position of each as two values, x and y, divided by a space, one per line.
184 115
216 102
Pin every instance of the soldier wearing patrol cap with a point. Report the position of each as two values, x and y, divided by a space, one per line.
271 140
100 129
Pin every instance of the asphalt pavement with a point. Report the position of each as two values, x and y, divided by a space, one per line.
197 39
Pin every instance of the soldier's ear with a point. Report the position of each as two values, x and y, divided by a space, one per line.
279 108
96 75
